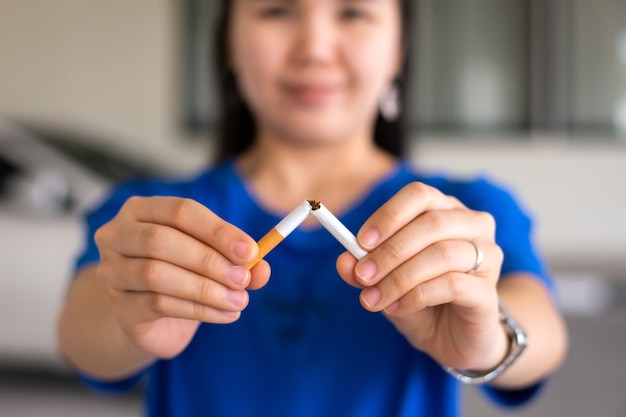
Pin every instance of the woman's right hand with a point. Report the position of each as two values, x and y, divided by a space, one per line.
168 264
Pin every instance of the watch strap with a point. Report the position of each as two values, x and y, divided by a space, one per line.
518 341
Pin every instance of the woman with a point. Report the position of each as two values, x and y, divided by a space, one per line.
163 292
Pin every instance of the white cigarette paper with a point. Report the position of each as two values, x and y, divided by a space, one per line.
279 232
294 219
336 228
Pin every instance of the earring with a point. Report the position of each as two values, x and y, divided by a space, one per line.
389 104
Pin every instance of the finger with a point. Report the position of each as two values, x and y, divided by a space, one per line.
147 306
443 257
154 276
345 267
420 233
460 288
196 220
260 275
411 201
158 242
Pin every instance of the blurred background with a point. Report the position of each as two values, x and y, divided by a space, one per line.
529 92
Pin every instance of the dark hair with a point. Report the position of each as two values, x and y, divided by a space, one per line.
236 125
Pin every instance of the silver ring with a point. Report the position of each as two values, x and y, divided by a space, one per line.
479 257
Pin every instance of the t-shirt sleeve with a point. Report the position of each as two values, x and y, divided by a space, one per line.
95 218
114 387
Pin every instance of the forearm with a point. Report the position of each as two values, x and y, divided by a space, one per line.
90 338
531 305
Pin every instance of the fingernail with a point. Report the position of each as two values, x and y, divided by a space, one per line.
236 298
371 296
243 250
369 238
366 270
393 307
238 275
231 315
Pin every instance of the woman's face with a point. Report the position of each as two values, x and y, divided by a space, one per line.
314 70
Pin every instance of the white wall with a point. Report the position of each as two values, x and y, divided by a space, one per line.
104 67
576 191
108 68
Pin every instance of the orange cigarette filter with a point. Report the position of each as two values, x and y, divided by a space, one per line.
266 244
279 232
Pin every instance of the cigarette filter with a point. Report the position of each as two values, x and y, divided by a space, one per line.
336 228
279 232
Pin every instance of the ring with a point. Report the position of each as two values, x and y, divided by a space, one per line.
479 257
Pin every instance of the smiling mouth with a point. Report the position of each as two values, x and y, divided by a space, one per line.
311 94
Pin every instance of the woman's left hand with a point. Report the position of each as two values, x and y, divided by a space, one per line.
420 272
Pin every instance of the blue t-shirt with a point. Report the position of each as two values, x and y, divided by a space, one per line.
304 346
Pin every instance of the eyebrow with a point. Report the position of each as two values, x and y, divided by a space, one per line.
342 2
360 1
296 1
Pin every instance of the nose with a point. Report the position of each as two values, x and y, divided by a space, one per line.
315 40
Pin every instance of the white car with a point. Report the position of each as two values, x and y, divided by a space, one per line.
45 185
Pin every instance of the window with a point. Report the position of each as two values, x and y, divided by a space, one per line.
483 66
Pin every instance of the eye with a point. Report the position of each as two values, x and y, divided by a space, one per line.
353 13
276 12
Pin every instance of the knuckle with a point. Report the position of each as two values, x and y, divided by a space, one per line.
100 236
421 191
445 254
498 254
182 210
417 187
402 281
158 303
487 219
420 296
453 201
393 251
130 206
104 235
455 284
388 216
201 311
436 220
131 203
205 289
207 260
150 272
221 229
152 238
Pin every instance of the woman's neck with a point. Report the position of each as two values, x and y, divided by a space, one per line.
336 174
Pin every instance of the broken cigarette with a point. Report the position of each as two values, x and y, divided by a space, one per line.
276 235
336 228
295 218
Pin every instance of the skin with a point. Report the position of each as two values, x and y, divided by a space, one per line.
312 72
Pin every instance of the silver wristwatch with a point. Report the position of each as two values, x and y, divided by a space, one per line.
517 343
